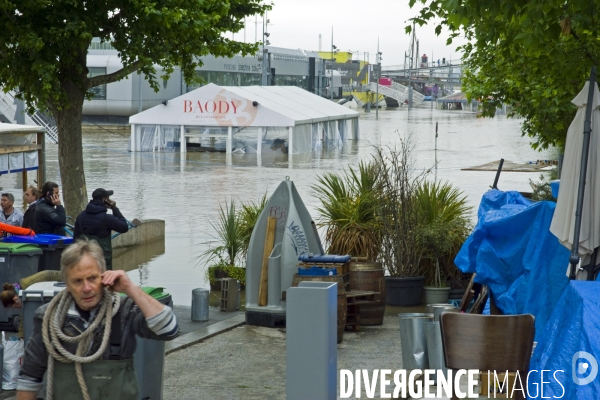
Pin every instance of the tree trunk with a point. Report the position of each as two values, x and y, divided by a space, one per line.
70 153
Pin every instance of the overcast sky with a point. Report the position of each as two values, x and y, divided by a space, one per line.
356 25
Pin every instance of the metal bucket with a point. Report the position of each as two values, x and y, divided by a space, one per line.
437 311
430 307
435 349
365 275
413 341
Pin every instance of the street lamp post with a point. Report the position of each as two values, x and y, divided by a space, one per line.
410 94
431 82
265 55
377 76
333 47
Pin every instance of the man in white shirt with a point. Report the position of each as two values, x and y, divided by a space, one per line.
10 215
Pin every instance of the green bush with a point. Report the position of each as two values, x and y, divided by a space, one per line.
230 271
443 227
541 190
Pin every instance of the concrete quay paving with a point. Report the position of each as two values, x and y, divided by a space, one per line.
248 362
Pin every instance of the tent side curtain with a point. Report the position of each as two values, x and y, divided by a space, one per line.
155 138
306 137
302 141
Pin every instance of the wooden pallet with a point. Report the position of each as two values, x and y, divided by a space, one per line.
353 317
361 296
354 299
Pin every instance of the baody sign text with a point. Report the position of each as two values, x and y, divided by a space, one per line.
210 106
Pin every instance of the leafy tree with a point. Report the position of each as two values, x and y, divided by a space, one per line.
44 43
533 56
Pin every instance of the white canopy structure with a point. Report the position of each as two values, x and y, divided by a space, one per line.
249 119
22 149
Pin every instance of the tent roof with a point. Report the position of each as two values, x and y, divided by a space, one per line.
458 97
212 105
16 128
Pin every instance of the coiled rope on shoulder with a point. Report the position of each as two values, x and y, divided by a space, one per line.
52 334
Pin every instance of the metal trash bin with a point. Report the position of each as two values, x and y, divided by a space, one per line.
17 261
51 245
435 349
149 356
413 341
35 296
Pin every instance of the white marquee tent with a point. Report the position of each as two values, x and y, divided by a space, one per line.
249 119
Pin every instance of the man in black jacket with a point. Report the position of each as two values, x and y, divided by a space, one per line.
50 216
31 196
96 224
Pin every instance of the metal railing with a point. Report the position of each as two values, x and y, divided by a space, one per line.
396 91
9 109
417 97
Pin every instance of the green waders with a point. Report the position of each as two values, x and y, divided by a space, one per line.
105 379
106 245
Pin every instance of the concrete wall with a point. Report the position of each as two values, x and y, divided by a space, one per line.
149 231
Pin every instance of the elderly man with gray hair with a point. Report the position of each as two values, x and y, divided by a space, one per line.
85 337
10 215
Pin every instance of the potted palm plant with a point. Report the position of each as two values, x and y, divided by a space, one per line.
224 257
233 229
350 215
443 227
348 211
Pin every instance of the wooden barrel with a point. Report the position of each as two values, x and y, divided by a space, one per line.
365 275
342 303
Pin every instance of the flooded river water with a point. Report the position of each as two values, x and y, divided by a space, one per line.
187 194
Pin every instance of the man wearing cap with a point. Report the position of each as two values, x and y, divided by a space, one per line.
95 223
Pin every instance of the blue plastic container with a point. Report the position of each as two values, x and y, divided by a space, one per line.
554 186
316 271
44 240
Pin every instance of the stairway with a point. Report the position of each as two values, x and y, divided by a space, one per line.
9 109
417 97
397 95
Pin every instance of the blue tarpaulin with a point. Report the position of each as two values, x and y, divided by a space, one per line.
574 327
516 256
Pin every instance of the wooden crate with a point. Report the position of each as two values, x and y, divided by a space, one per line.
341 268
